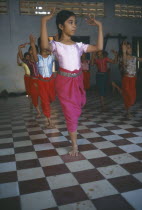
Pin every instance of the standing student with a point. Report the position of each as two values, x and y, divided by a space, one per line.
46 80
69 80
86 73
27 71
101 60
129 77
34 89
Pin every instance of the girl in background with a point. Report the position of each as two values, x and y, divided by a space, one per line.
101 61
46 80
86 73
129 77
34 90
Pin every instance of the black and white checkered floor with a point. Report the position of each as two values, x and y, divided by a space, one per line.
36 173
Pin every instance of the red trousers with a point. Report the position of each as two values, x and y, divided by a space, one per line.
86 79
34 90
47 93
129 91
27 83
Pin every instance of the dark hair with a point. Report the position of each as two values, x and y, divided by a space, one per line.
61 17
35 47
25 54
105 53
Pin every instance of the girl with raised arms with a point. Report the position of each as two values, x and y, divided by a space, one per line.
69 80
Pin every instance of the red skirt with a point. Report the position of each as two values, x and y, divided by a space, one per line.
72 97
86 79
47 93
129 91
34 90
27 83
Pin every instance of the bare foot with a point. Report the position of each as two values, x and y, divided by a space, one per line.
50 123
74 151
38 115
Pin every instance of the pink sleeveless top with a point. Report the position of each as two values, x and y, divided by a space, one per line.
69 55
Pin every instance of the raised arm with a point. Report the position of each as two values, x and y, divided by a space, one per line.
124 55
18 60
20 53
99 46
44 33
115 60
32 43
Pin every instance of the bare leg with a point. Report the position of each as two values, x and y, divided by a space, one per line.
74 151
50 123
38 111
102 103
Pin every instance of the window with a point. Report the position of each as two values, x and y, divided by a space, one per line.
32 7
128 11
3 7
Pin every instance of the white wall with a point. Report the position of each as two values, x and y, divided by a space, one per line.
15 29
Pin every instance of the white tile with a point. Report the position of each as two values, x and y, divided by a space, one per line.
104 144
38 136
126 126
90 135
8 151
49 161
28 174
112 137
6 140
131 148
61 181
112 171
63 150
99 189
20 134
46 146
58 139
99 129
135 140
6 132
22 143
93 154
82 127
119 131
123 158
81 205
38 200
106 124
82 141
51 130
138 133
65 133
34 129
134 198
8 166
79 165
88 123
9 190
138 176
61 126
25 156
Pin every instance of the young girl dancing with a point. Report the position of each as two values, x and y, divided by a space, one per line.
129 77
69 80
46 80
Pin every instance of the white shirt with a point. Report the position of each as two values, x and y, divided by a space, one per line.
45 65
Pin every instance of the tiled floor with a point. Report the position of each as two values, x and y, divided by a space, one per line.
37 174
